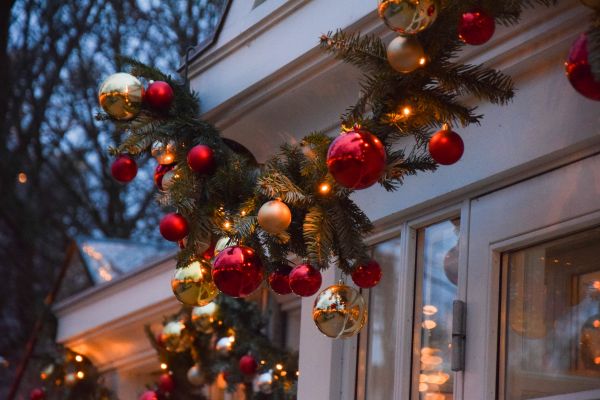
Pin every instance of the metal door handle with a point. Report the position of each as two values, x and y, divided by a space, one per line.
459 335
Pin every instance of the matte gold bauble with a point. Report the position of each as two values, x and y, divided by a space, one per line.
595 4
203 317
405 54
193 285
121 96
340 311
274 217
408 17
175 337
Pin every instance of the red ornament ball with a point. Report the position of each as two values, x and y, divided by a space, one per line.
159 96
579 70
446 147
237 271
37 394
159 173
305 280
279 279
149 395
124 168
174 227
166 383
368 275
356 160
201 159
476 27
248 365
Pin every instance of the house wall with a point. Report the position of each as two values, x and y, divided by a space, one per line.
266 82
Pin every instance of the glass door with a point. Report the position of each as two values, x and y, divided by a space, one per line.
533 289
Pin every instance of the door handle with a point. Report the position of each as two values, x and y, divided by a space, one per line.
459 335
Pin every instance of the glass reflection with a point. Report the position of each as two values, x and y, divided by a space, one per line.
437 279
551 336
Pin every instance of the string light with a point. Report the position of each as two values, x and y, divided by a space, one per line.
407 111
422 61
297 373
22 177
227 225
283 373
262 362
278 367
78 358
163 366
243 213
324 188
80 375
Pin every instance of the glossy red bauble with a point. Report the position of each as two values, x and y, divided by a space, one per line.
305 280
446 147
124 168
166 383
149 395
174 227
37 394
248 365
579 70
237 271
356 160
159 96
279 279
476 27
159 173
368 275
201 159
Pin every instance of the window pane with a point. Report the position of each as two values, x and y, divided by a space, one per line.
383 321
436 289
552 327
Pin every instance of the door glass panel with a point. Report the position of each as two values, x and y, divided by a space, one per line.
551 325
383 323
436 289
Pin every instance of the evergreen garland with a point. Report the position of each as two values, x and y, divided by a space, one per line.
327 228
243 320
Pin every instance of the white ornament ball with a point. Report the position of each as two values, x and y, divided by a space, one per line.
405 54
263 383
274 217
225 344
194 376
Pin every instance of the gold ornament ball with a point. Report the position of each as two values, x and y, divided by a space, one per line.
121 96
340 311
175 337
193 285
203 317
164 153
595 4
408 17
405 54
274 217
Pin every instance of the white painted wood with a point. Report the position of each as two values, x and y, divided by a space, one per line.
553 204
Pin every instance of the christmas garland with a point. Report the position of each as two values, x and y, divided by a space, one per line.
299 202
223 343
70 376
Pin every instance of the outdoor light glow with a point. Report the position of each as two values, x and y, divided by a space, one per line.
22 177
429 324
78 358
429 310
596 285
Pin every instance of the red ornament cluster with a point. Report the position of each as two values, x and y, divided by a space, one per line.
201 159
237 271
305 280
166 383
124 168
446 147
279 280
476 27
579 70
174 227
368 275
159 96
356 160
